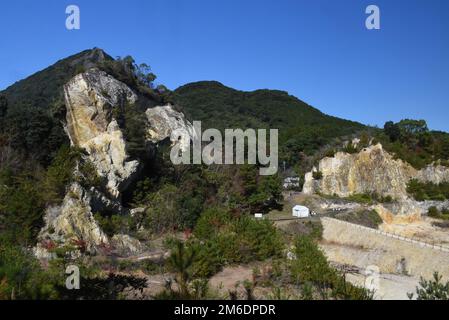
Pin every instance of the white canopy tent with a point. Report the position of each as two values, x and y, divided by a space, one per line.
300 211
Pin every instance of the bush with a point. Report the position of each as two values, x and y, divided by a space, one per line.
21 276
428 191
211 222
437 214
312 271
221 240
350 148
361 198
432 289
114 224
317 175
60 174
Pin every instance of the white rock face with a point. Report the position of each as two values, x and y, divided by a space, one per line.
436 174
164 122
90 99
71 221
126 245
373 170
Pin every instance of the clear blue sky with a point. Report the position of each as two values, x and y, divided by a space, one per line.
319 51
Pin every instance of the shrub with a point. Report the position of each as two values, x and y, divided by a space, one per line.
115 224
311 270
432 289
437 214
60 174
428 191
89 175
21 276
361 198
211 222
317 175
350 148
221 240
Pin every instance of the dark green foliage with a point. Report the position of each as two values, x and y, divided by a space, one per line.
428 191
21 276
365 198
361 198
312 272
59 174
182 259
35 132
175 196
222 239
110 287
134 125
113 224
36 108
44 89
392 131
26 189
138 77
3 106
317 175
437 214
433 289
21 207
411 141
302 128
350 148
89 176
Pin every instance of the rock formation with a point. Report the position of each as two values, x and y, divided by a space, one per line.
71 222
372 170
92 100
165 122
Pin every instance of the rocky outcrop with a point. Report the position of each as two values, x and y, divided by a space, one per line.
372 170
434 173
70 223
165 122
124 245
91 98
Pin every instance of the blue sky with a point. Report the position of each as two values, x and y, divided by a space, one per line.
319 51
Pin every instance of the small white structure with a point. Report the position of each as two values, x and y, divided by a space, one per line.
300 211
258 216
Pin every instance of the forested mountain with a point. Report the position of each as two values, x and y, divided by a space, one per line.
302 128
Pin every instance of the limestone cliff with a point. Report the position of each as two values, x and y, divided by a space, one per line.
165 122
372 170
90 99
71 222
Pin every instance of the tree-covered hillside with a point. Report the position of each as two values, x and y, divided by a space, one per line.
302 128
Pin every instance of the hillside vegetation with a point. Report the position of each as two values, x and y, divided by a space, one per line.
302 128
